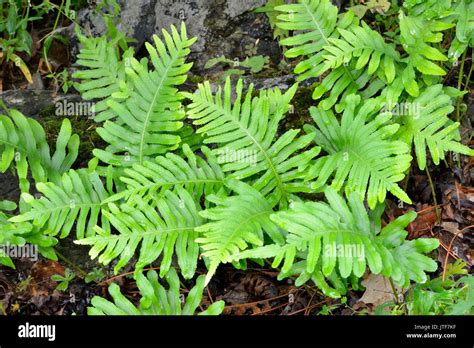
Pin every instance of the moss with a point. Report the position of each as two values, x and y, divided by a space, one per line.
81 125
300 116
195 79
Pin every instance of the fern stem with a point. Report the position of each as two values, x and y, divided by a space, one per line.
394 290
433 193
458 101
466 86
407 179
59 15
460 75
72 264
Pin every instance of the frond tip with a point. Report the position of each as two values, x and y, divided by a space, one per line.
155 299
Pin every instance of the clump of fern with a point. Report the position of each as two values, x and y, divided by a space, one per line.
237 192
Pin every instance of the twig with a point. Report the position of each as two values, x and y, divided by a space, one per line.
433 192
72 264
445 264
125 274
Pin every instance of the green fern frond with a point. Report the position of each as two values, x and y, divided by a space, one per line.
317 38
245 134
368 46
76 201
23 142
155 299
104 71
415 36
338 240
236 222
148 107
197 175
314 23
18 234
344 81
362 157
427 126
464 15
162 226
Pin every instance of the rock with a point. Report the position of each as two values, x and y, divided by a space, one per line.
32 102
10 189
223 27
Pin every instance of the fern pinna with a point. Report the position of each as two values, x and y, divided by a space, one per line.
243 189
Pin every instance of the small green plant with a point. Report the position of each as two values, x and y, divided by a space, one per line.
254 64
14 35
63 281
452 296
96 275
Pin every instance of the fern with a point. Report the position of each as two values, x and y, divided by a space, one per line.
338 240
428 127
148 106
166 172
76 201
165 198
315 22
162 226
464 15
104 71
361 156
18 234
235 222
415 34
360 59
249 127
368 46
23 142
155 299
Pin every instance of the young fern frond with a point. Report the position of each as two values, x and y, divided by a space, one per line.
338 240
362 157
235 223
103 73
155 299
76 201
163 226
245 134
197 175
427 126
23 142
148 106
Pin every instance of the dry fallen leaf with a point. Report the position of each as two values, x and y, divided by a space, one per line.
378 290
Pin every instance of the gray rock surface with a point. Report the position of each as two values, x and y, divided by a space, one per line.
223 27
32 102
